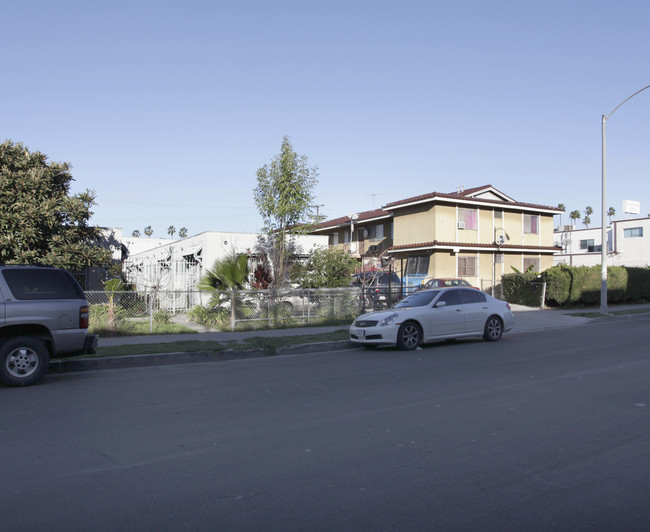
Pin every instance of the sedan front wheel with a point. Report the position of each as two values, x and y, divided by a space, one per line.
409 336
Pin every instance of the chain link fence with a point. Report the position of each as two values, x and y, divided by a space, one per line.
240 309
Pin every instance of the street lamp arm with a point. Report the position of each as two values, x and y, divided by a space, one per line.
605 117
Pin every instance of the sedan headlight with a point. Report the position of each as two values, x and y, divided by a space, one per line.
388 320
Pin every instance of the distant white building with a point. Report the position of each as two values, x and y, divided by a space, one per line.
179 264
628 244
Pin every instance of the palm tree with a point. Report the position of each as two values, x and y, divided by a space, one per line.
135 233
182 232
575 215
148 230
561 206
171 230
611 212
228 274
586 221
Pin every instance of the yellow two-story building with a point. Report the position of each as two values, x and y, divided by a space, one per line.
478 234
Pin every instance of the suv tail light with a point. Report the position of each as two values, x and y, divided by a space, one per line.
83 317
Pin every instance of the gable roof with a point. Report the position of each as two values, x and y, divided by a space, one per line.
484 195
363 217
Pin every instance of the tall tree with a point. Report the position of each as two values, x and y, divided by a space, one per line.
575 215
284 198
40 222
561 206
171 230
148 230
611 212
588 212
135 233
182 232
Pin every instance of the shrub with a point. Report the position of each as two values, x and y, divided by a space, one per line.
518 289
162 317
558 284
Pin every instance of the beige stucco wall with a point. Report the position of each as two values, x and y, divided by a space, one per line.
414 225
442 264
548 238
485 226
445 223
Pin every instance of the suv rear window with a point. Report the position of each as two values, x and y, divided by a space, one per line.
29 284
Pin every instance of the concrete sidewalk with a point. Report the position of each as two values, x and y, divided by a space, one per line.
527 319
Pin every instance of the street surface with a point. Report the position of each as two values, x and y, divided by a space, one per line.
544 430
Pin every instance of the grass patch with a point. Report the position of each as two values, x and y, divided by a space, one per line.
269 344
137 328
614 313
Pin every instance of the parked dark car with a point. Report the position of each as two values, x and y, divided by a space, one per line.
379 289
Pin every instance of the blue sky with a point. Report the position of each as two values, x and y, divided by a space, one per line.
167 109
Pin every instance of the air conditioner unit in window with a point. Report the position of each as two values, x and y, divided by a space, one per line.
461 225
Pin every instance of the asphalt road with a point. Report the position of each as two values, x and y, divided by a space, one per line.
542 431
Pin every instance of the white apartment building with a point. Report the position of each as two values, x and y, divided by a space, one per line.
628 244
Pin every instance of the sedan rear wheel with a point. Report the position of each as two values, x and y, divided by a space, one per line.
409 336
493 329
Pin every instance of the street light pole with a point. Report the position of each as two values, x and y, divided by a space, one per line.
603 236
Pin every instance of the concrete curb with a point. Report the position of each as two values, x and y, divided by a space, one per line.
164 359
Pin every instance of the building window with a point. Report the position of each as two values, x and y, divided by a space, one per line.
379 232
531 224
346 237
334 239
531 262
467 219
467 266
633 232
376 232
584 244
417 265
498 215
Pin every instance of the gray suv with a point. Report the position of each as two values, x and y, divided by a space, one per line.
43 314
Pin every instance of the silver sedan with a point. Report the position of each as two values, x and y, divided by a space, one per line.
431 315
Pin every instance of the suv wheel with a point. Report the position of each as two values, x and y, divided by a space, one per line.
23 361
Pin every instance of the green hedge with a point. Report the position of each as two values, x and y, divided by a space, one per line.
578 285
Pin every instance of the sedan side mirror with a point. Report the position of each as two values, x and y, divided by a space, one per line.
440 304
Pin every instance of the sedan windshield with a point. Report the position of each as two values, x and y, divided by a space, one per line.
418 299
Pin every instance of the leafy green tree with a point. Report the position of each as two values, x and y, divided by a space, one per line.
182 232
575 215
284 199
325 268
586 221
171 230
148 230
40 222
